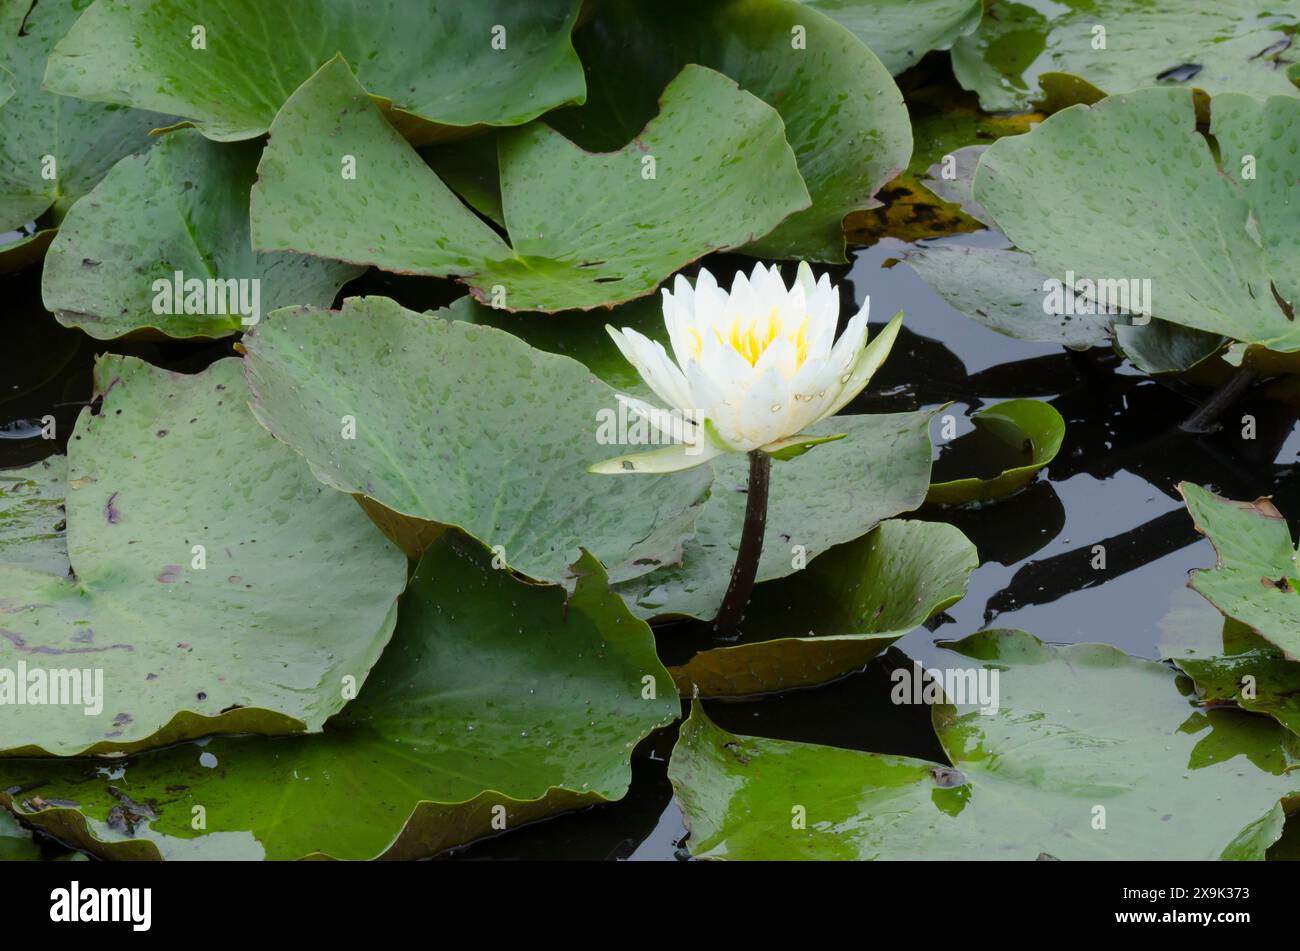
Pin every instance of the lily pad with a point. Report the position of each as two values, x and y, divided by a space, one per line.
214 585
1028 431
1163 347
54 148
843 114
439 69
1002 289
900 32
1091 754
831 618
162 244
32 519
1242 670
839 493
578 335
464 425
497 701
1214 45
1218 253
1256 580
16 843
586 229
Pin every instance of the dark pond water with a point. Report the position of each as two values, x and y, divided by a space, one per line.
1113 483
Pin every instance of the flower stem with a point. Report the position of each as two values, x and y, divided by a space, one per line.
735 601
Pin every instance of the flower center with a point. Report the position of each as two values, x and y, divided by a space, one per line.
752 338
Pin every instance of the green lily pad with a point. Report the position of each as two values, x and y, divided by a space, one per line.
438 69
1256 580
292 591
720 173
843 114
16 843
900 32
497 700
177 215
1003 290
847 606
1163 347
1027 431
1078 729
1244 670
468 426
832 496
54 148
1214 45
578 334
1219 253
32 519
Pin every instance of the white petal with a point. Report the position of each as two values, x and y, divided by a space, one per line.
766 412
668 459
673 424
652 362
869 361
804 276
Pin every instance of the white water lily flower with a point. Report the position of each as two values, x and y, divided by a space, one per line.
753 369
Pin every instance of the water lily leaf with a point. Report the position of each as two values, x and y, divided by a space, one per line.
439 69
1219 254
720 173
1028 432
16 843
1003 290
177 215
900 32
495 695
1163 347
1214 45
833 495
1000 288
1256 579
182 633
54 149
847 606
1077 729
1244 670
843 114
32 518
578 335
464 425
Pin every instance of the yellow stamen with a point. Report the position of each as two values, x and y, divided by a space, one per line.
752 339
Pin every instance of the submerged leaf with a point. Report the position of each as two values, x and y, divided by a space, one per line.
33 523
1117 46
